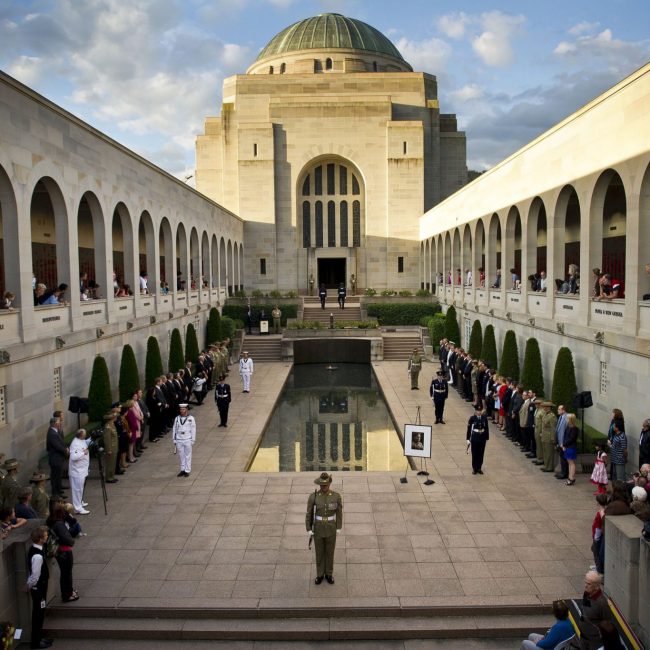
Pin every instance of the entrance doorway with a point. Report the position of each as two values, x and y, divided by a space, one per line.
331 271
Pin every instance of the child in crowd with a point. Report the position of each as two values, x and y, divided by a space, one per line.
597 531
599 475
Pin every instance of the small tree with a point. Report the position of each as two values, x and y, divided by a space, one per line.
129 377
153 366
176 359
100 396
489 349
213 333
452 330
436 326
532 374
510 356
564 380
227 328
476 340
191 344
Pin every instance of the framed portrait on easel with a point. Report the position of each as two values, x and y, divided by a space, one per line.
417 440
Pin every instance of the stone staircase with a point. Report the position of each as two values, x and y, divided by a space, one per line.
312 310
267 347
309 624
398 347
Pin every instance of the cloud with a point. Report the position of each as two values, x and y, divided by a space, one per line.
467 93
428 56
494 45
453 25
581 28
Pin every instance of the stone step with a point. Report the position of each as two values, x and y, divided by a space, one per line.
399 348
263 348
62 623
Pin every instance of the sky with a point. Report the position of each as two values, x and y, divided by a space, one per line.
147 72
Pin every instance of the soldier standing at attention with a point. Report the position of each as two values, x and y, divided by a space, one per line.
415 365
40 498
539 450
549 424
439 391
110 447
184 436
223 397
324 519
322 294
10 488
342 294
246 371
477 436
277 319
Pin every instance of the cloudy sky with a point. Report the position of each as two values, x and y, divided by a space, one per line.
147 72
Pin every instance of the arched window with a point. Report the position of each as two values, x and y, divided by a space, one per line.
270 69
356 223
283 68
331 224
328 64
344 223
374 66
306 224
319 224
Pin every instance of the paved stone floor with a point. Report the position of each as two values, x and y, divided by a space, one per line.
226 538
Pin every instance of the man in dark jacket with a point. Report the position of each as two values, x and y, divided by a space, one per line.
57 453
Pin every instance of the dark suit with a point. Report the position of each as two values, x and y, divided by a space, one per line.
56 453
222 398
439 391
478 434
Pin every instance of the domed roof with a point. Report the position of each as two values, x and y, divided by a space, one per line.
327 31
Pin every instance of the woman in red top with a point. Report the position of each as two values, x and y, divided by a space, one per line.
134 418
501 393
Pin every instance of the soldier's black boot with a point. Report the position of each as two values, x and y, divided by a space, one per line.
318 580
329 579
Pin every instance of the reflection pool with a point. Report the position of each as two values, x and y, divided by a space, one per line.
330 417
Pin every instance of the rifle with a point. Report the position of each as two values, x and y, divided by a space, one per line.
313 521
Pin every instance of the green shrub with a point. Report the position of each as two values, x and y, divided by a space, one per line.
452 330
436 327
397 314
370 292
129 380
592 437
422 293
275 294
191 344
564 380
489 349
153 366
358 324
100 396
387 292
257 293
510 356
405 293
240 293
228 328
213 333
238 312
291 294
476 340
176 359
532 374
306 325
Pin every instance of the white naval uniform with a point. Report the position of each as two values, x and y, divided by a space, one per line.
184 436
78 471
246 372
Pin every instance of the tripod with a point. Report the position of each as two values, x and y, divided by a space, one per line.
99 454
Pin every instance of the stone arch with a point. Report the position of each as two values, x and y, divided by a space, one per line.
467 256
206 275
440 261
536 240
147 250
608 226
223 268
182 266
166 248
235 266
644 237
9 246
479 254
229 269
50 234
456 271
122 247
214 262
513 244
447 271
195 260
241 266
567 224
91 242
494 261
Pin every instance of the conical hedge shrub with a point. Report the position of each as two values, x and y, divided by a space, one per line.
191 344
452 330
213 333
564 380
153 366
510 356
532 374
476 340
100 396
129 378
489 349
176 359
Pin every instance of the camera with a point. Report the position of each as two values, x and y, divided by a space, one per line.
97 440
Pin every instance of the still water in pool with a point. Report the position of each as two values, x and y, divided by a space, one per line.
330 417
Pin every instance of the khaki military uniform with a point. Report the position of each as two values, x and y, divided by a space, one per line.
40 501
9 491
277 316
549 422
110 449
324 519
415 365
539 414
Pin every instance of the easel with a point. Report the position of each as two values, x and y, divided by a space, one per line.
423 461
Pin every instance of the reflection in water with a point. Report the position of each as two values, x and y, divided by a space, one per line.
330 420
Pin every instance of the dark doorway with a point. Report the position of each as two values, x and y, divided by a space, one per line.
331 271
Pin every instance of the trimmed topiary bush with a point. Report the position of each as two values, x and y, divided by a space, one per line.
564 380
191 344
532 374
153 366
452 330
436 327
401 314
129 376
489 349
176 359
213 328
100 396
227 328
476 340
510 356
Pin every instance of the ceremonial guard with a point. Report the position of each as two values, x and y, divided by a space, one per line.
277 319
539 449
549 424
322 294
324 519
246 371
222 398
184 436
10 488
342 294
414 367
40 498
477 436
439 391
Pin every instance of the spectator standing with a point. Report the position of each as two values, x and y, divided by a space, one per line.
57 453
599 475
64 558
38 576
144 282
597 539
570 447
560 430
618 452
24 509
644 443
